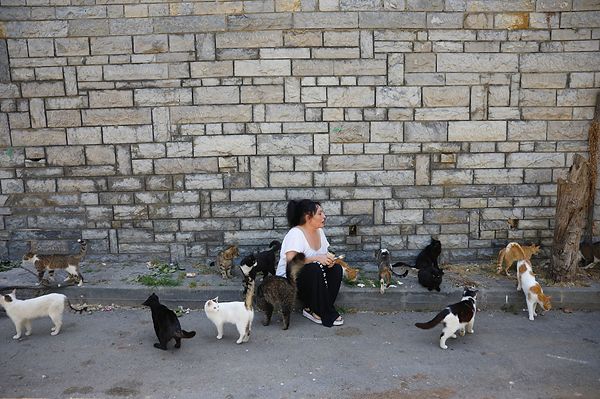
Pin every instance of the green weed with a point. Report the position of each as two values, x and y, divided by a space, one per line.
155 281
161 274
6 265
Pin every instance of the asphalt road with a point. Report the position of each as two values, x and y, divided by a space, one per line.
109 354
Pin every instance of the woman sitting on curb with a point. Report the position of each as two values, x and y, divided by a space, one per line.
320 279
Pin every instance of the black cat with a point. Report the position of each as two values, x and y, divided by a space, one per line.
429 255
430 274
266 261
166 324
431 277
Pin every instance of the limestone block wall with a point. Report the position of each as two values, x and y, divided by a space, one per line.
161 128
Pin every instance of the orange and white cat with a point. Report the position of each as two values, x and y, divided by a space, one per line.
531 288
349 273
514 252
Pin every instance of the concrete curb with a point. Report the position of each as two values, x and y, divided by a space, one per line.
350 298
113 284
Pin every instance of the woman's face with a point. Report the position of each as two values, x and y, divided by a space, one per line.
318 219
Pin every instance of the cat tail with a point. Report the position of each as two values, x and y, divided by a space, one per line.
185 334
518 247
80 310
294 267
398 264
435 321
501 255
82 248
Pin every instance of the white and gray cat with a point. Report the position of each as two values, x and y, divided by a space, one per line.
458 316
590 253
21 312
239 313
50 263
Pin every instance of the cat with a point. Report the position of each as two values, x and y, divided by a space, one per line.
280 291
385 269
350 273
166 324
513 252
68 263
427 257
590 253
239 313
458 316
266 261
225 260
21 312
531 288
430 274
430 278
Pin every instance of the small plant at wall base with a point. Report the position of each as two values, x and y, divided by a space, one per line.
162 274
6 265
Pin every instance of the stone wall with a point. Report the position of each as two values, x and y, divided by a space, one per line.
168 129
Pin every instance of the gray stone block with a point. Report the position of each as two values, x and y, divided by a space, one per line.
328 20
391 20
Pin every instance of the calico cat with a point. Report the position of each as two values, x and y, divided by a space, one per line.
166 324
590 253
280 291
50 263
225 260
239 313
385 269
531 288
21 312
458 316
514 252
266 261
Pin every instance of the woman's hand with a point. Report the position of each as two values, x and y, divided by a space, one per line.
327 259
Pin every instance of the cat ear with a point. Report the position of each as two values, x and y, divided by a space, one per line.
7 298
14 292
215 299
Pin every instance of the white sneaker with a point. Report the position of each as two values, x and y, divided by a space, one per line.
310 316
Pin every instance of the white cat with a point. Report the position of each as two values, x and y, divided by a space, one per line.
230 312
531 288
21 312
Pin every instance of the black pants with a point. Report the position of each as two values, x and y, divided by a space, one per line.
318 287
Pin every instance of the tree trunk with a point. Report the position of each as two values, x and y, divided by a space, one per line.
594 150
571 214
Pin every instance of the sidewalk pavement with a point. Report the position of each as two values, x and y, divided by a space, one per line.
109 282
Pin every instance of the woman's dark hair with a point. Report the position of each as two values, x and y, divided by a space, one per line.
296 210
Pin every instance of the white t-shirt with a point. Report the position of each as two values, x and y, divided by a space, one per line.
295 240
